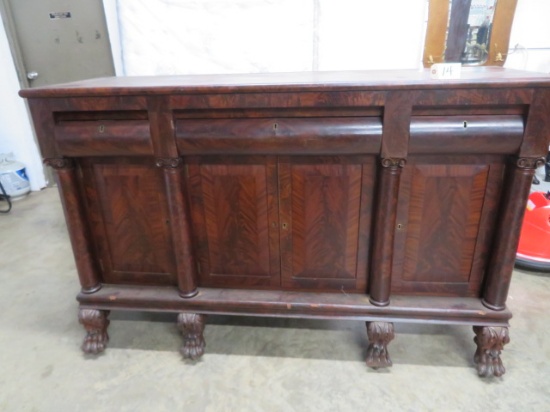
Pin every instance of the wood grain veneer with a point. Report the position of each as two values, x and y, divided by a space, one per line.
381 196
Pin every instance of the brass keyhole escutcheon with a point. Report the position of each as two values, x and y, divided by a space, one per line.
284 226
399 226
101 128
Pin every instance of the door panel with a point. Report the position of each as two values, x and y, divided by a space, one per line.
443 217
235 220
128 209
325 210
61 41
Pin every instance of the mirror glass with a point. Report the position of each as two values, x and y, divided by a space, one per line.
469 31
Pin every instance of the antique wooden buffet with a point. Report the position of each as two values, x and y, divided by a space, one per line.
378 196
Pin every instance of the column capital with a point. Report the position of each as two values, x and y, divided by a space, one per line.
393 163
529 162
168 162
59 163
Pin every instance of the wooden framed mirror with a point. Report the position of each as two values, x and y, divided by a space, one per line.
471 32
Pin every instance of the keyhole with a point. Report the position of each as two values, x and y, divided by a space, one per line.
465 124
399 226
275 126
101 128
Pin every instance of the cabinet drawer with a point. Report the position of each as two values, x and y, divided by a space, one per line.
344 135
104 138
466 134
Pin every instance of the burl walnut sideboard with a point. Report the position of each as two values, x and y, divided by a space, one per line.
377 196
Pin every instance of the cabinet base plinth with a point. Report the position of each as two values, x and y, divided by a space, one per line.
309 305
490 326
92 289
492 307
188 295
381 304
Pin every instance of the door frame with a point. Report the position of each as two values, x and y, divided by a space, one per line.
6 14
15 49
113 29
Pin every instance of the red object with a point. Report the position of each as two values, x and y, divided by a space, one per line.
534 243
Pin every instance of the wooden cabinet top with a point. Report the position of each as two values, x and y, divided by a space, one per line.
478 77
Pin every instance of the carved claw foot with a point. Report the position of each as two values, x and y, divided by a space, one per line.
490 341
95 322
380 335
191 326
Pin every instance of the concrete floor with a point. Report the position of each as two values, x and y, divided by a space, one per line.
251 364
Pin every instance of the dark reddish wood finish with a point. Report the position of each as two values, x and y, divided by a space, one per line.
478 98
191 326
466 134
499 272
96 323
490 341
321 213
536 135
44 127
322 305
397 120
384 230
446 206
104 138
181 226
381 196
331 136
128 211
162 128
235 215
380 335
79 231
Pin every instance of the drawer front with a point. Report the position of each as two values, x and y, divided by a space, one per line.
344 135
104 138
466 134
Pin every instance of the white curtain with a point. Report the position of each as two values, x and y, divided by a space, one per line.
250 36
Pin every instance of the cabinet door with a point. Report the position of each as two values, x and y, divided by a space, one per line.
127 205
326 207
235 220
445 219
